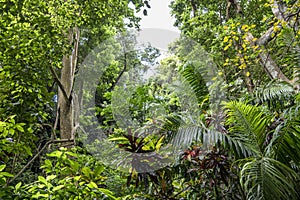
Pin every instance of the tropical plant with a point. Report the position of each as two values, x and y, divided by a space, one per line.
67 175
262 174
255 138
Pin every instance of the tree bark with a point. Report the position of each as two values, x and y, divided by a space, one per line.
66 104
266 61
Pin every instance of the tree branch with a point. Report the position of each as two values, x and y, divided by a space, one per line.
35 157
267 37
56 79
194 7
278 10
120 75
267 62
227 9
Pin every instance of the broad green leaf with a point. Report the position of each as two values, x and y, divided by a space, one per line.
41 186
42 180
6 174
107 193
17 187
2 167
38 195
12 131
71 154
76 178
159 143
58 187
86 171
20 128
92 185
118 139
27 150
55 154
51 177
98 170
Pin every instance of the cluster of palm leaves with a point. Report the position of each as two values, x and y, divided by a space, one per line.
268 166
262 134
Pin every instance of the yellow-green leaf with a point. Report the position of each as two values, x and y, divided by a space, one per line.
92 185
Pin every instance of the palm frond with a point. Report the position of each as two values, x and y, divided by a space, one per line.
287 53
194 77
172 122
239 149
293 111
275 94
183 134
267 178
286 142
247 124
187 134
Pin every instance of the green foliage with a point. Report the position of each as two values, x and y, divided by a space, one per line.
267 178
4 176
67 175
285 141
194 77
121 65
276 95
286 52
229 150
263 136
248 125
12 149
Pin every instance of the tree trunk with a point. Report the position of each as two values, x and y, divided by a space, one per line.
66 119
66 104
266 61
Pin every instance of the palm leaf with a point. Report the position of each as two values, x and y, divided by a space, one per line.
239 149
294 110
286 142
193 76
187 134
275 94
266 178
247 131
247 124
172 122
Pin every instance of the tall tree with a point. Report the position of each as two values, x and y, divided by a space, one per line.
41 44
242 36
44 38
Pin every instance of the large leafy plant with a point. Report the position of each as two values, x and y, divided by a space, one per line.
67 174
262 173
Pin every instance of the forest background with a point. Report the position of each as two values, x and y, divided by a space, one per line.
219 119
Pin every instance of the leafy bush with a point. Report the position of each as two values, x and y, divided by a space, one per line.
67 175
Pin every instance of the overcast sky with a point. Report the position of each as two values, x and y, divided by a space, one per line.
157 27
159 16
